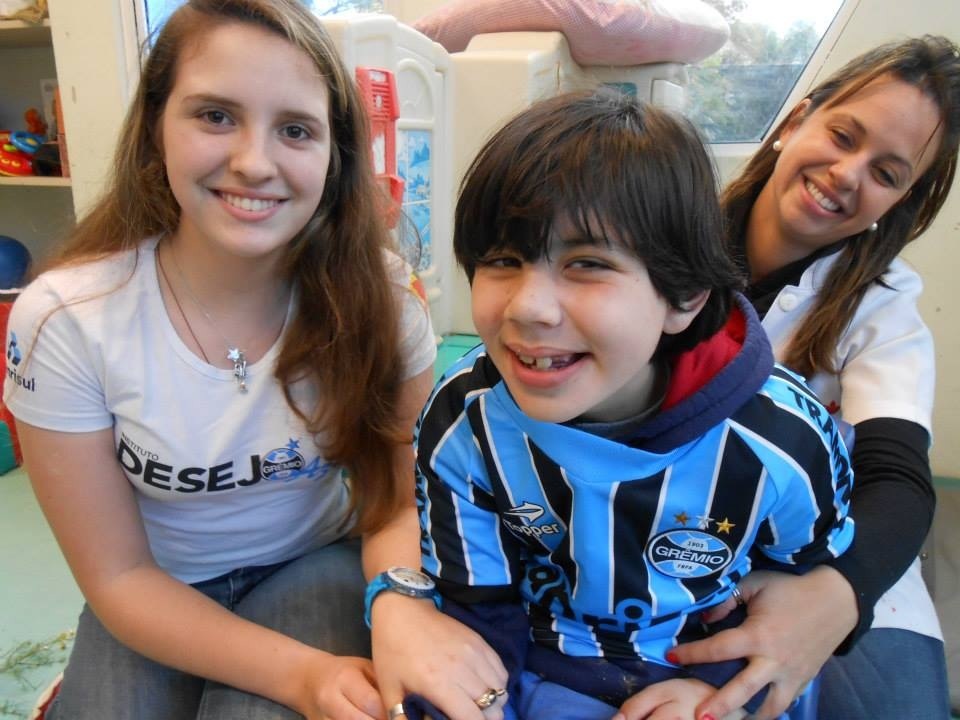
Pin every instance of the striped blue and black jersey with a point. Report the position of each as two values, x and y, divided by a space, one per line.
612 545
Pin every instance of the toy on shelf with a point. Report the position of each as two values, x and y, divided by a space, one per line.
26 142
15 262
14 266
18 147
46 160
378 89
14 162
35 122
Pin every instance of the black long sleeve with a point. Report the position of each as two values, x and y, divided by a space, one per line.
892 504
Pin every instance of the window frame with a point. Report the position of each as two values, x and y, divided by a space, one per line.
728 152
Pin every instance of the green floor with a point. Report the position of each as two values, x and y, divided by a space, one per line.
451 349
40 600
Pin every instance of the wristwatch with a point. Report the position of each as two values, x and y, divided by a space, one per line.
405 581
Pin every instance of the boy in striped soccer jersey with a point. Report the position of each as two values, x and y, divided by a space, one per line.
622 449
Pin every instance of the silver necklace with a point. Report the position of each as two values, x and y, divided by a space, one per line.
234 353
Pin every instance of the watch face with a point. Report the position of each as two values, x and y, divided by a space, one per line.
413 579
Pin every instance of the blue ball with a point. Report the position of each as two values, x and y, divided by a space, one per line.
14 262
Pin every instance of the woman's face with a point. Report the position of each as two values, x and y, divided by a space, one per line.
843 166
246 141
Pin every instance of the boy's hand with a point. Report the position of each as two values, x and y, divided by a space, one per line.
669 700
418 649
793 625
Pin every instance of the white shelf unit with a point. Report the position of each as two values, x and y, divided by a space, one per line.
91 49
34 210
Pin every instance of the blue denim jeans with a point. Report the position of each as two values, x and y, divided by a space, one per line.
317 599
890 674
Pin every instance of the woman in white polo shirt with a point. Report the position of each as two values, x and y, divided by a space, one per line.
818 217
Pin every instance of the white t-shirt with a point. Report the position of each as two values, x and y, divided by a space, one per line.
886 369
223 479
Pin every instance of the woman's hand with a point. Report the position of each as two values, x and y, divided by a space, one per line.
339 688
418 649
793 625
668 700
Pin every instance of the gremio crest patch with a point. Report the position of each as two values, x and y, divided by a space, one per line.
687 553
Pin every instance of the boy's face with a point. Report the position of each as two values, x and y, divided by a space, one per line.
573 334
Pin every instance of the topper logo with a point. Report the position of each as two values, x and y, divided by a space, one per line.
528 512
688 553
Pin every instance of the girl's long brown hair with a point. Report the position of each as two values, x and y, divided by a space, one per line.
344 337
930 63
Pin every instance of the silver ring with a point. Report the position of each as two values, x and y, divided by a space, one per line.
396 711
489 697
738 596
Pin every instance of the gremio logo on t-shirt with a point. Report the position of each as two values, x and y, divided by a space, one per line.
688 553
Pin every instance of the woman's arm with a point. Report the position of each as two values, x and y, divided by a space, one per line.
796 623
91 508
891 470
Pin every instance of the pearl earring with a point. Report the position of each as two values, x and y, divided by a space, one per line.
777 146
873 227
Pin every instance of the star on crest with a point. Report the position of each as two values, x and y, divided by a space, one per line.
703 522
724 526
681 517
293 444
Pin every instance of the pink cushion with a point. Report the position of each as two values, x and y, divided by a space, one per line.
599 32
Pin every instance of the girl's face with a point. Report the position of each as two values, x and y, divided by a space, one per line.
843 166
573 334
246 141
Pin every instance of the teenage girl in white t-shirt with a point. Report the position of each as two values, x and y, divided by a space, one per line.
216 386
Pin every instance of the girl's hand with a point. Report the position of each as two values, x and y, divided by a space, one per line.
418 649
669 700
340 688
793 625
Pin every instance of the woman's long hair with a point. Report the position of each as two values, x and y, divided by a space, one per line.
343 338
930 63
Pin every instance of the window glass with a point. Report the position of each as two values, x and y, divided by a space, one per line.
157 11
735 94
333 7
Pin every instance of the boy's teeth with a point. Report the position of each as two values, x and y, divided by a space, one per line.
540 363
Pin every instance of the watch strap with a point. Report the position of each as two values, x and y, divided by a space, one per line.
383 582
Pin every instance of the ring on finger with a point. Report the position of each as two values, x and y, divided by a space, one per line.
738 596
396 711
489 697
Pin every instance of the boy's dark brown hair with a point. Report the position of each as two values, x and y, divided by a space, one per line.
625 173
